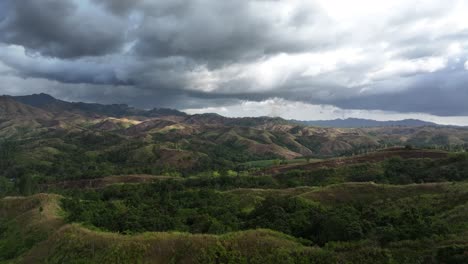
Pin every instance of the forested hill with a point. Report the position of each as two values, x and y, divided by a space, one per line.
92 183
42 132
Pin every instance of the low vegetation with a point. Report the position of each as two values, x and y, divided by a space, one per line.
420 223
89 183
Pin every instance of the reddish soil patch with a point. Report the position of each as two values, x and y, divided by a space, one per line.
102 182
372 158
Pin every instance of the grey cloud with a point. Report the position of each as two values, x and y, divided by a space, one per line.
416 51
91 71
147 53
58 28
227 31
441 93
120 7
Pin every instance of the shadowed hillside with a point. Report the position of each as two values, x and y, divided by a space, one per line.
33 231
159 186
103 140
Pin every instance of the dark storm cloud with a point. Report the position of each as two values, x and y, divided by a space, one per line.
443 93
226 30
120 7
59 28
91 71
190 54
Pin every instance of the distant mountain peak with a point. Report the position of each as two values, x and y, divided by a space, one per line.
51 104
55 106
10 109
358 122
36 100
43 95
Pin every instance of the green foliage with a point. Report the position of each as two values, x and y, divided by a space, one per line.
399 171
454 254
394 170
25 184
418 228
230 182
405 219
8 150
172 206
291 216
14 240
77 249
6 187
158 207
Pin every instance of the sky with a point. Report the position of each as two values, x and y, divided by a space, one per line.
300 59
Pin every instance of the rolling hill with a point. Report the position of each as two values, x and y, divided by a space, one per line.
12 109
100 139
160 186
35 230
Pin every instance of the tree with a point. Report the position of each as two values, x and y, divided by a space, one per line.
7 151
6 186
25 184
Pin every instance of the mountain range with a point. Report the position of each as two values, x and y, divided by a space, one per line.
48 103
51 104
358 122
52 129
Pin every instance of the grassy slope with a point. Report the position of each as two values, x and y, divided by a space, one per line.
43 237
25 221
50 240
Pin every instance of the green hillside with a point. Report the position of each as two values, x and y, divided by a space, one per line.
90 183
388 224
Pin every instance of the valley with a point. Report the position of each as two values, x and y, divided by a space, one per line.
91 183
233 132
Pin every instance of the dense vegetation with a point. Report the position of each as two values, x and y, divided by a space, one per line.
75 157
356 223
351 223
168 206
132 186
27 180
393 171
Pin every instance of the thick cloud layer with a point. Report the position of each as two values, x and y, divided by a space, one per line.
60 28
402 56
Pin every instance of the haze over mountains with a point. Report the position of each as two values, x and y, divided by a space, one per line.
51 104
250 131
220 183
357 122
207 136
